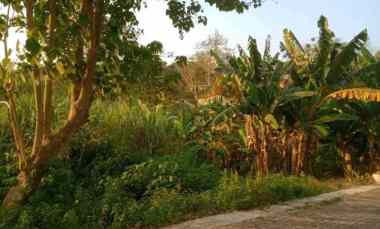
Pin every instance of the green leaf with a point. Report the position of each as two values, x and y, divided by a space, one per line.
303 94
335 117
322 131
325 44
271 120
255 56
372 70
296 96
346 57
60 68
33 46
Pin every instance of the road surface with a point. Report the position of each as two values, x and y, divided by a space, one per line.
357 208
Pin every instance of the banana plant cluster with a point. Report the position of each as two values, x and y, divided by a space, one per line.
295 103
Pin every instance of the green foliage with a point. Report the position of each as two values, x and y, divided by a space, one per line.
184 173
346 57
134 127
138 164
157 192
139 63
97 186
232 193
7 167
235 192
327 163
325 44
292 95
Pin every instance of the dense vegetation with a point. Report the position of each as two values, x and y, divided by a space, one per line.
138 143
145 175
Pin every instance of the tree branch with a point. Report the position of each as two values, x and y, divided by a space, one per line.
11 104
17 134
81 108
37 86
48 93
38 89
80 62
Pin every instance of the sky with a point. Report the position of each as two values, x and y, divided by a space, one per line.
346 18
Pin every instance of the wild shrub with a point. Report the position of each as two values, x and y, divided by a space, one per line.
137 128
182 172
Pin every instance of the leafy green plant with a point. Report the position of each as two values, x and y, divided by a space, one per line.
137 128
183 172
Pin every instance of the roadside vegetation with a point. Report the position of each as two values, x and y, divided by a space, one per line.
99 132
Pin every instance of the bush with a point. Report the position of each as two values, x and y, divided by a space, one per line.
166 205
130 168
135 128
235 192
151 194
327 162
8 169
182 172
279 188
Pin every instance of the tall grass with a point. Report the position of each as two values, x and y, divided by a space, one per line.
233 192
137 128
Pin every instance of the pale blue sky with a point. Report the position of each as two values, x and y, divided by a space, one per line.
346 18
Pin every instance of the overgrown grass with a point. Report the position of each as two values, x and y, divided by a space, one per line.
130 168
167 205
136 127
147 196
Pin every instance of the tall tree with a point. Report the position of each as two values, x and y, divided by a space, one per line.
216 43
200 72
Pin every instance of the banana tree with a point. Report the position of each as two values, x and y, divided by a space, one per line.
357 140
325 70
262 89
366 123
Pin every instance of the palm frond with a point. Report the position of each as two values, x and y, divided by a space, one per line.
294 50
335 117
290 96
368 56
359 94
267 48
255 57
296 41
325 47
346 57
372 70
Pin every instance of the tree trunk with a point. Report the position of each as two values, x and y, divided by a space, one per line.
266 136
348 171
374 163
26 185
17 193
46 146
297 153
30 178
347 159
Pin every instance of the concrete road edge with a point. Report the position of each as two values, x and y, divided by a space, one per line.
241 216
